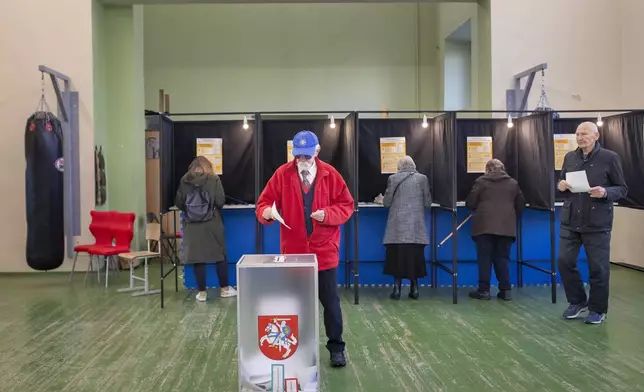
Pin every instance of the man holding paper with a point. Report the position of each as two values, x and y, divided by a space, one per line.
591 181
314 202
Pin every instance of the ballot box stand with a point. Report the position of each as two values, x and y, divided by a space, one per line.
278 323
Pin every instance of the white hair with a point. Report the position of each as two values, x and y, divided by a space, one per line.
406 162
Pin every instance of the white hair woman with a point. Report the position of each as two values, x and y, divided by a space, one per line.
407 197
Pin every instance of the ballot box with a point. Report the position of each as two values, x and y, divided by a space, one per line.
278 323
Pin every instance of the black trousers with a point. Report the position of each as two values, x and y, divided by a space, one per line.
200 274
328 295
597 246
493 250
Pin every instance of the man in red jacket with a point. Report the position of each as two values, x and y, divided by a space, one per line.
314 201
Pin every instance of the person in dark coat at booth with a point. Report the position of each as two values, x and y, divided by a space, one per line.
203 239
496 202
587 219
313 199
407 196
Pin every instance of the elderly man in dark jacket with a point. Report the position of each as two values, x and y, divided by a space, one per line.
587 218
496 201
407 197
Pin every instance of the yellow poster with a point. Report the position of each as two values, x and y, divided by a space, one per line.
563 145
391 150
212 149
479 151
289 150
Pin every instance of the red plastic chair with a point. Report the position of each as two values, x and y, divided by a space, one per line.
100 229
122 230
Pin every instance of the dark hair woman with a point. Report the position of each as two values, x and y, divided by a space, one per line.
201 196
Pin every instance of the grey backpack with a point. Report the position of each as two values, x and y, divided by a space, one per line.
198 205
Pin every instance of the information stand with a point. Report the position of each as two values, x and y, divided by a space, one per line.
278 323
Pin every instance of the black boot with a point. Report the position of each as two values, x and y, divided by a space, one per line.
396 293
479 294
504 295
413 291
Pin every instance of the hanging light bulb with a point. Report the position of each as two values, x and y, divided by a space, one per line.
510 123
245 123
425 124
599 120
332 125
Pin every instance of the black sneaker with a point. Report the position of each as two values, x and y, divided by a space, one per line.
480 295
338 359
504 295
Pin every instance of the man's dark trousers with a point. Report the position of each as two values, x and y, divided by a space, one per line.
328 294
493 250
597 246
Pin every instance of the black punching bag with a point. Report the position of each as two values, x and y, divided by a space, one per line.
44 192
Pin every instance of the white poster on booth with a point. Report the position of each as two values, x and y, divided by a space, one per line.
564 143
391 150
479 152
212 149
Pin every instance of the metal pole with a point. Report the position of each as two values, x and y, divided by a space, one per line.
520 252
455 257
433 242
356 210
553 266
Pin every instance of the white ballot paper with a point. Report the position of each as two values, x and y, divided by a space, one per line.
277 216
578 181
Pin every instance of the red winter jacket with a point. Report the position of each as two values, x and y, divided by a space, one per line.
331 195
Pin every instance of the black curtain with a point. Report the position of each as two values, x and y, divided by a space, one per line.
503 148
348 153
535 150
624 134
166 164
333 144
418 141
444 160
565 126
238 155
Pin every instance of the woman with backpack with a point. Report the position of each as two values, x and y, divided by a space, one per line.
201 196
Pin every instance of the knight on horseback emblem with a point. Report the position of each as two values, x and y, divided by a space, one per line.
277 336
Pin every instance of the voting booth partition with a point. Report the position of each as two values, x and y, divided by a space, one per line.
230 143
450 150
624 134
278 323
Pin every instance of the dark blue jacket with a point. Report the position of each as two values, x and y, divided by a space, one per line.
582 213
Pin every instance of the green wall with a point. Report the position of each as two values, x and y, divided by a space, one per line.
224 57
123 93
100 81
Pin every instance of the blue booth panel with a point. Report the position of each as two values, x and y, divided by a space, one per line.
240 239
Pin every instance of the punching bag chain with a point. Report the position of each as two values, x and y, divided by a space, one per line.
42 104
543 99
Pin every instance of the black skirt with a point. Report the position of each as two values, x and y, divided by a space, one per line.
405 261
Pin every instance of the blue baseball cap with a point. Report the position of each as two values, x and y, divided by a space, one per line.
304 143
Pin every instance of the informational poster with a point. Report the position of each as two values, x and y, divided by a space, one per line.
212 149
479 152
564 143
391 150
289 150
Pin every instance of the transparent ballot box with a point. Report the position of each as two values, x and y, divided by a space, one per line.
278 323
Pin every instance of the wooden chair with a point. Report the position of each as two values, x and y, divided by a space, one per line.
152 235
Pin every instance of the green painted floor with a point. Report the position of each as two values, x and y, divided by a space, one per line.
60 337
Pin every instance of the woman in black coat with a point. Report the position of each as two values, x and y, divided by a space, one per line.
201 196
496 202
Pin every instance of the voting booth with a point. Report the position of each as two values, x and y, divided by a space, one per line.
278 323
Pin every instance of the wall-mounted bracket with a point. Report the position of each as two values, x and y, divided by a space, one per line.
517 99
